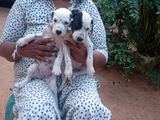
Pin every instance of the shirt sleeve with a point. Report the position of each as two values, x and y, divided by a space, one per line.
98 36
14 27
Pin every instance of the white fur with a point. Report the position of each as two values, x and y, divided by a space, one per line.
83 33
63 19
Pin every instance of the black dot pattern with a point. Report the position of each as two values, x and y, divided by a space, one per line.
81 101
35 101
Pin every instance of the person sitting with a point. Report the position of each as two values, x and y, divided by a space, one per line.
80 101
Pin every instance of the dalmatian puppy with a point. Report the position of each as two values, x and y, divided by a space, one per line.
81 26
48 71
60 23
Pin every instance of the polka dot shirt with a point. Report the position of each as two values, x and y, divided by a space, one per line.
35 101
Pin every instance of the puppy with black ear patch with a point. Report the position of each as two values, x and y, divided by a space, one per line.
82 25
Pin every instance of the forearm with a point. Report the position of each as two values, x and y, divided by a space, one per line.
6 50
99 60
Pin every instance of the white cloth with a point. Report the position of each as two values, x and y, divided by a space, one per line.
35 101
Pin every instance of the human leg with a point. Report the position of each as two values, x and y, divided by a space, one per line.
81 101
35 101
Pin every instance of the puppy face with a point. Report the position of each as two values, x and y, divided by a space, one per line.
61 19
81 25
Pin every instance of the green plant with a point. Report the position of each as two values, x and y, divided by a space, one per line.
135 23
123 57
154 76
149 24
118 17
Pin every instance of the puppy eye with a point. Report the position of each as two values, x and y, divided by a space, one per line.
87 29
55 20
66 23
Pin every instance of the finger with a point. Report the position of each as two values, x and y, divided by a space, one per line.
43 41
47 48
41 58
44 54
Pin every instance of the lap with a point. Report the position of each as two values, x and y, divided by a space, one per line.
82 95
82 101
82 87
35 100
35 89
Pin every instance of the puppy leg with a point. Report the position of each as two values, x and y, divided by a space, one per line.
68 62
32 71
25 40
89 60
57 63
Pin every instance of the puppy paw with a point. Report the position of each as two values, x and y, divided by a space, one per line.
68 73
24 41
91 71
21 42
56 70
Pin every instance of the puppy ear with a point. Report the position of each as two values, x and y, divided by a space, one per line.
91 25
52 14
47 32
50 17
75 11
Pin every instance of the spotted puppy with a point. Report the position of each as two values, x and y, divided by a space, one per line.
56 29
81 26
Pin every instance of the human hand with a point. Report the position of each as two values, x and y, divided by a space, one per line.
78 51
38 49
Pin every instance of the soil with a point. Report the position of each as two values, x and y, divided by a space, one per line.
133 99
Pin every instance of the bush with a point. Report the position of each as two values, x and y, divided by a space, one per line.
133 28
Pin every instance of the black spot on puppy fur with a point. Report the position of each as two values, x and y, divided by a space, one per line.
76 24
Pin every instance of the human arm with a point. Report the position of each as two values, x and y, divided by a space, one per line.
14 29
6 50
36 49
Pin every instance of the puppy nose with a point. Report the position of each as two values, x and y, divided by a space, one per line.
58 32
79 39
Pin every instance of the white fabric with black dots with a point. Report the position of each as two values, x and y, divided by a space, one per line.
35 101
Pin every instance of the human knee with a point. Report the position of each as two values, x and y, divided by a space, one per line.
90 110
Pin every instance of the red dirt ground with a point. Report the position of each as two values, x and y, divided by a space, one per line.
134 100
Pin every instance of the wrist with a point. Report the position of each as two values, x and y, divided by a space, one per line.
16 56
